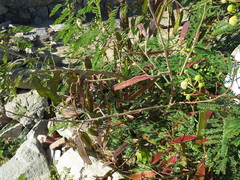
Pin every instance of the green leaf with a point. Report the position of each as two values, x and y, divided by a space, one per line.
21 177
55 9
43 91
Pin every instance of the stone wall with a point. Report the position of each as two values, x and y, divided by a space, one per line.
37 11
26 11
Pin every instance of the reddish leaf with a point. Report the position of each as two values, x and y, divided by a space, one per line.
152 27
82 151
201 172
99 139
141 175
142 30
156 158
184 138
192 63
184 32
162 164
209 114
192 113
120 149
131 81
143 89
202 141
107 164
173 159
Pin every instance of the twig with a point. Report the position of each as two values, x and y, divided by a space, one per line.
195 39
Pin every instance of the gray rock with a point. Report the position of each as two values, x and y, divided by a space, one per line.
79 170
24 13
37 20
17 4
42 12
30 160
3 10
5 24
41 32
14 131
31 104
3 118
40 128
36 3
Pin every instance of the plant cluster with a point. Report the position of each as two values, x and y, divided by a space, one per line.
157 106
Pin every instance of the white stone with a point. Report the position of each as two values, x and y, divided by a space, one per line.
30 103
72 162
29 160
236 84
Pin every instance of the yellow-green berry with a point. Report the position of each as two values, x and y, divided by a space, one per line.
186 80
200 85
223 1
232 8
198 77
184 84
233 20
188 96
185 71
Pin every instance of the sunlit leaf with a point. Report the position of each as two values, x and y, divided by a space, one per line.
131 81
201 172
184 138
184 32
82 151
156 158
120 149
173 158
145 174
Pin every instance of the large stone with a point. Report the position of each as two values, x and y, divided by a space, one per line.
31 104
14 131
3 9
40 128
3 118
30 160
37 3
236 82
72 161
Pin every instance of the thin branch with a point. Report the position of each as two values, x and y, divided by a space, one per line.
195 38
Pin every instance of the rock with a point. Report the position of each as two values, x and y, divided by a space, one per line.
30 160
58 143
236 84
36 3
31 104
3 117
5 24
37 20
19 4
24 13
14 131
40 128
3 10
79 170
57 27
42 12
41 32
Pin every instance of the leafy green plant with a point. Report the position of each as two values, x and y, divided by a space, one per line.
152 94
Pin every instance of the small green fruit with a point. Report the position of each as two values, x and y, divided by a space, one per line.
186 80
233 20
188 96
200 85
185 71
198 77
232 8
